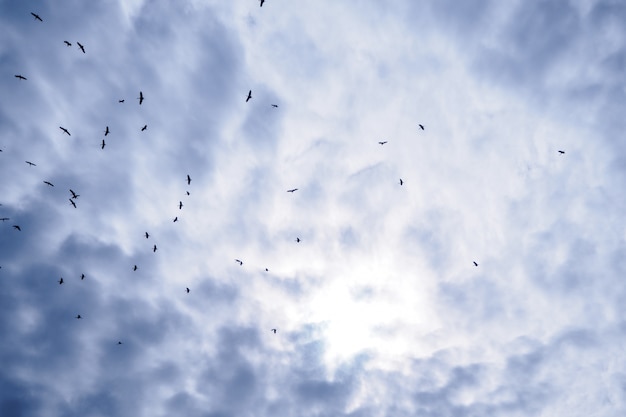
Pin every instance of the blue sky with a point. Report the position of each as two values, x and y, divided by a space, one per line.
379 309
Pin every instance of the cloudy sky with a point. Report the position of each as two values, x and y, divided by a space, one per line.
379 308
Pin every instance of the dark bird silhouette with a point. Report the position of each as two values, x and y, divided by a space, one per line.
67 43
120 101
275 105
188 180
262 1
78 316
72 202
383 142
147 235
36 16
292 190
31 164
119 343
298 239
61 281
267 270
240 262
561 151
4 219
187 191
82 48
421 127
180 205
82 277
249 96
135 268
103 144
16 227
140 98
154 248
74 195
21 77
401 182
187 290
65 130
274 330
175 219
49 183
106 131
144 128
475 264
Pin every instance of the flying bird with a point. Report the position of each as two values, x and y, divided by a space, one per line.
274 330
298 239
49 183
144 128
275 105
180 205
262 1
21 77
67 43
31 164
401 182
82 48
147 235
561 151
106 131
72 202
249 96
74 195
292 190
475 264
187 290
82 277
65 130
119 343
4 219
267 270
61 281
188 180
140 98
135 268
154 248
240 262
421 127
120 101
187 191
383 142
36 16
175 219
16 227
78 317
103 144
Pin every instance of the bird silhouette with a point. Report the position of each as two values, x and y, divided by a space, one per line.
120 101
16 227
49 183
249 96
135 268
36 16
72 202
67 43
267 270
119 343
292 190
103 144
240 262
147 235
4 219
74 195
383 142
421 127
274 330
186 191
21 77
78 316
475 264
561 151
65 130
188 180
31 164
187 290
401 182
140 98
298 239
61 281
275 105
175 219
262 1
106 131
144 128
82 48
154 248
180 205
82 277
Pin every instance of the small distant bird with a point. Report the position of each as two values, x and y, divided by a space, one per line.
31 164
49 183
65 130
74 195
4 219
187 290
401 182
154 248
240 262
78 317
249 96
561 151
21 77
16 227
120 101
188 180
61 281
67 43
475 264
119 343
82 48
36 16
267 270
103 144
298 239
106 131
147 235
135 268
275 105
421 127
144 128
72 202
383 142
274 330
82 277
262 1
187 191
175 219
180 205
140 98
292 190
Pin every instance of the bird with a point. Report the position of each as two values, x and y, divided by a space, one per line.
240 262
78 316
267 270
147 235
421 127
119 343
188 179
74 195
103 144
61 281
383 142
4 219
186 191
401 182
49 183
140 98
36 16
67 43
561 152
187 290
274 330
72 202
475 264
21 77
180 205
135 268
175 219
82 277
65 130
154 248
16 227
144 128
82 48
298 239
275 105
31 164
292 190
106 131
262 1
249 96
120 101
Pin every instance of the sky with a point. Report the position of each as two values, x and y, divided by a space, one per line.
379 308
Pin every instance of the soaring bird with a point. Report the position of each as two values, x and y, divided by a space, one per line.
401 182
36 16
561 151
188 179
180 205
267 270
31 164
4 219
21 77
67 43
65 130
475 264
49 183
119 343
298 239
140 98
154 248
72 202
61 281
274 330
421 127
186 191
82 48
106 131
383 142
240 262
262 1
275 105
103 144
147 235
78 316
16 227
120 101
144 127
175 219
187 290
292 190
74 195
135 268
249 96
82 277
